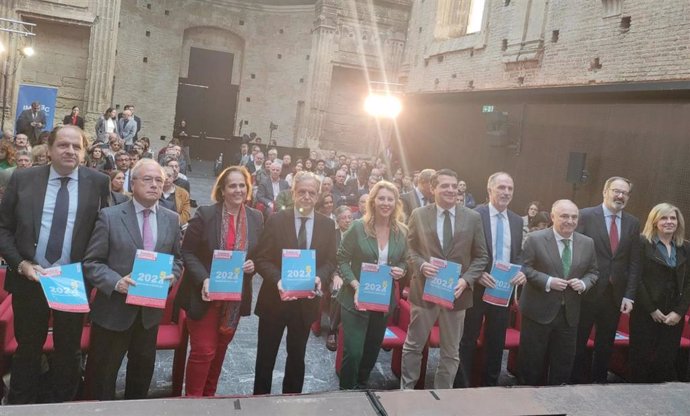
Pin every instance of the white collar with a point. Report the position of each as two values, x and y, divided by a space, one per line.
493 211
138 207
74 175
440 211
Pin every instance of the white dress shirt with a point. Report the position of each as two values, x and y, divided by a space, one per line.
139 209
440 217
493 215
309 225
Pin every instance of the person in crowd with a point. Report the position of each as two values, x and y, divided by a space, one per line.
503 235
31 122
360 184
342 194
273 155
286 166
118 328
379 238
343 216
616 236
127 129
39 154
352 169
130 108
270 188
134 157
421 195
23 159
257 164
42 138
106 124
331 162
663 297
228 224
325 205
460 240
298 168
469 199
74 118
539 222
532 209
407 184
178 178
326 185
175 198
300 228
560 265
309 165
362 205
97 160
123 163
145 144
7 155
284 200
320 169
244 157
181 132
32 240
21 142
264 173
118 195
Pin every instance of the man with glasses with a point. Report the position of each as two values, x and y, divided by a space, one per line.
123 163
118 328
616 235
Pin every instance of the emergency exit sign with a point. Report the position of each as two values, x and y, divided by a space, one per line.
487 109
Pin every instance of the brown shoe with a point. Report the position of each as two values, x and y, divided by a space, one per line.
331 342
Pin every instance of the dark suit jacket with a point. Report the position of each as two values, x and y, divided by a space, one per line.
200 239
24 125
515 223
68 120
356 248
469 250
20 218
280 234
110 256
541 261
410 201
652 292
621 269
264 193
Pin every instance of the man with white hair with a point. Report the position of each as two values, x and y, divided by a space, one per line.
127 129
269 189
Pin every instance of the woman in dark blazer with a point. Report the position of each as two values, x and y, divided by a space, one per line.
74 118
379 237
227 225
662 299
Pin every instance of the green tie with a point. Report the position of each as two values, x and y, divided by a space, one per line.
447 232
566 258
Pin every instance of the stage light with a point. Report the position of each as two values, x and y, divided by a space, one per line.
28 51
383 106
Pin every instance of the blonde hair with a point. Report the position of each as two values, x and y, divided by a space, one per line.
397 217
655 214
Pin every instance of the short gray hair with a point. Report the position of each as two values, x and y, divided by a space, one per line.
143 163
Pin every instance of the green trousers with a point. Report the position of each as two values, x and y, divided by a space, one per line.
363 333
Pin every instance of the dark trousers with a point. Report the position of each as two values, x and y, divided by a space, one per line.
107 350
603 315
552 344
363 333
31 316
653 348
333 316
270 334
495 323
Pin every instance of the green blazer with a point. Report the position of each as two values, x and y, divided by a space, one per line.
356 248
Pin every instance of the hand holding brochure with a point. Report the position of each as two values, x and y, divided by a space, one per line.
226 275
441 288
150 272
64 288
375 284
298 273
502 273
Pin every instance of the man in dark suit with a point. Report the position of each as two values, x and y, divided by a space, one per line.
560 265
446 231
270 188
342 193
503 233
616 240
256 164
74 118
421 195
298 228
118 328
31 122
46 218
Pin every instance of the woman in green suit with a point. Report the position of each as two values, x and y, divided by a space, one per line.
379 237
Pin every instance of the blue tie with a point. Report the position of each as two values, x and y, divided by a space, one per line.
499 238
59 223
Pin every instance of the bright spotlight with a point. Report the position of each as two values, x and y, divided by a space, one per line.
383 106
28 51
2 48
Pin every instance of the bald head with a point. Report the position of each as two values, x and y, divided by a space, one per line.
564 214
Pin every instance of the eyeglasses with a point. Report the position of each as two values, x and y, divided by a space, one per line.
150 179
620 192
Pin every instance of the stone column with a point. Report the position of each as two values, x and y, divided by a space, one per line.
8 11
101 65
320 73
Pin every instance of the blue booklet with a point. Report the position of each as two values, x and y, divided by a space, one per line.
298 273
502 272
149 272
441 288
226 276
375 283
64 288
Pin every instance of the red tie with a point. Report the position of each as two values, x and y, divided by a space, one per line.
230 236
613 235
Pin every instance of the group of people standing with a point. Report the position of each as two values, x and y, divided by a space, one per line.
584 271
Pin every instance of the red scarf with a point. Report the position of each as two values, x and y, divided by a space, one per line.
236 239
